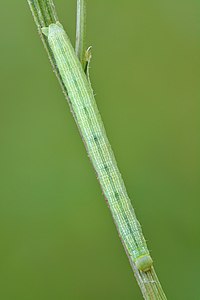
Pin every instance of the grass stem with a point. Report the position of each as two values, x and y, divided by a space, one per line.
44 14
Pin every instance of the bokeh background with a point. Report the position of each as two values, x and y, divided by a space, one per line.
58 240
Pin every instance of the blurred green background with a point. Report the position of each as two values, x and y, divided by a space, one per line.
58 240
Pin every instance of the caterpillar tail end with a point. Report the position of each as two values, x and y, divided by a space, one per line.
52 28
144 263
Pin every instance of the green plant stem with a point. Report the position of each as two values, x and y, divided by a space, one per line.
81 31
44 14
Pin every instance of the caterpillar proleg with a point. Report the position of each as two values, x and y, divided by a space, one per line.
92 130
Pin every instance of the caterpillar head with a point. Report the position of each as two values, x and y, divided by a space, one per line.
144 263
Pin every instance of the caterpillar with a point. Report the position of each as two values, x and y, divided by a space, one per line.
91 127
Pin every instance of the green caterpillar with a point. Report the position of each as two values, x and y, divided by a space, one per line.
92 130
